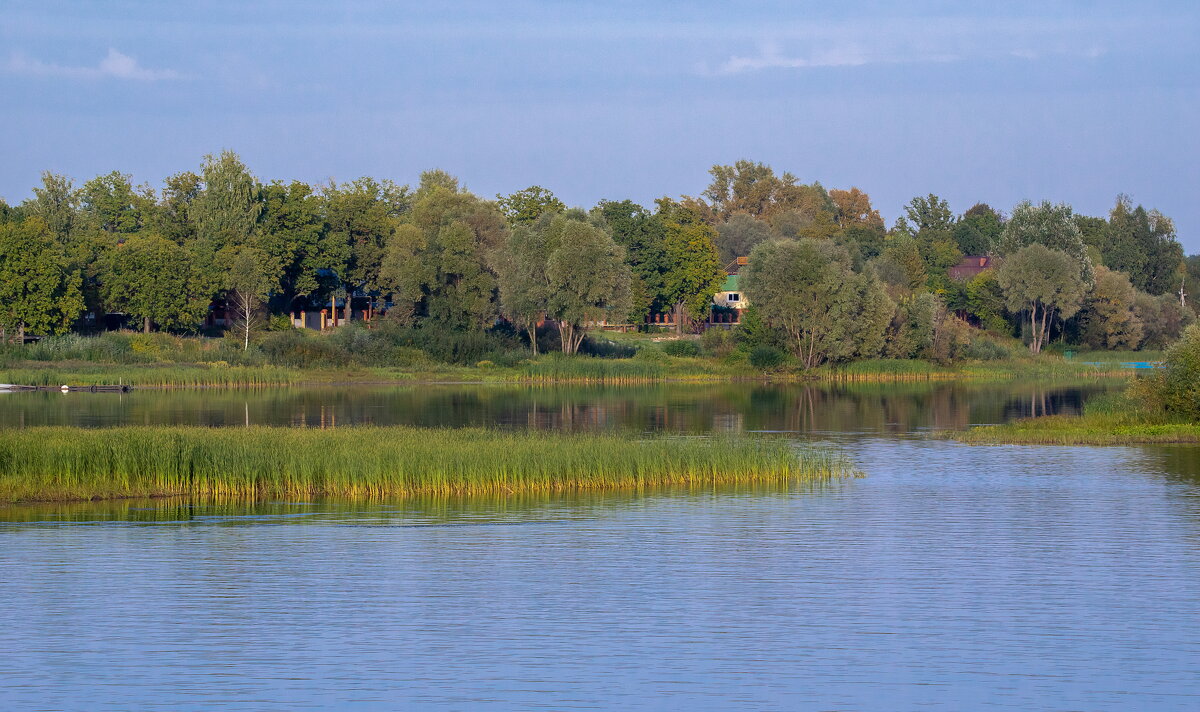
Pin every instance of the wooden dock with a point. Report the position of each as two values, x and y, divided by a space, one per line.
66 388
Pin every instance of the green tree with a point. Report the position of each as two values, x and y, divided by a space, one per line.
248 284
1048 225
173 218
461 233
1109 319
588 280
807 289
226 211
111 204
39 292
739 234
643 235
404 273
293 236
521 276
363 215
694 272
153 279
526 206
1163 319
56 202
1044 283
985 301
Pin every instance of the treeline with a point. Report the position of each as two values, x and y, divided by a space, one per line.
828 280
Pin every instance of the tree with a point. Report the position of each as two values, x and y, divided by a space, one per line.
526 206
39 292
739 234
807 289
153 279
57 204
587 278
111 204
1051 226
293 236
853 209
173 219
694 271
404 273
226 211
362 216
1109 319
249 282
461 233
754 189
1163 319
988 223
1044 282
643 235
929 213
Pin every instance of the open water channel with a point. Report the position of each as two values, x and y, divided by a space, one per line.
950 577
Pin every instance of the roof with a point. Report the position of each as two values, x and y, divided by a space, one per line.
731 284
970 266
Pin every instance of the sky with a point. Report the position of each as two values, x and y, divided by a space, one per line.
1071 102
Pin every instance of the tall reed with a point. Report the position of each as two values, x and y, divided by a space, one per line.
59 463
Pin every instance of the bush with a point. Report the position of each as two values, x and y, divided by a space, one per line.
718 342
1180 384
765 358
605 348
681 348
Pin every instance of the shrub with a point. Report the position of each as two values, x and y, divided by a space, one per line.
766 357
718 342
681 348
1180 385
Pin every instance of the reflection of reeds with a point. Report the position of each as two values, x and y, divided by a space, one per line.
59 463
408 510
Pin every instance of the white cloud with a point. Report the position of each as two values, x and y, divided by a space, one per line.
115 65
847 55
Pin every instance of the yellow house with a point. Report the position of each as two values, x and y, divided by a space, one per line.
730 295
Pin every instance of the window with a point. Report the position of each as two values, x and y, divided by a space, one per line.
733 297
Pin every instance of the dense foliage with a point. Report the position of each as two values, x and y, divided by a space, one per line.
828 281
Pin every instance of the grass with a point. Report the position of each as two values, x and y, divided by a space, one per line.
1110 419
61 463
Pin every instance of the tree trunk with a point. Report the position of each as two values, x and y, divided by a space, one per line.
21 333
145 325
679 318
533 337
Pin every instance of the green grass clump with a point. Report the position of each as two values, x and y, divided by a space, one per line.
62 463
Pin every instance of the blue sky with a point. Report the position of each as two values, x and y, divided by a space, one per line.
1068 101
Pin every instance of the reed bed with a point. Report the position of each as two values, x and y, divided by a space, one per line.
59 463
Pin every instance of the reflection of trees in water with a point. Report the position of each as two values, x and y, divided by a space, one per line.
880 408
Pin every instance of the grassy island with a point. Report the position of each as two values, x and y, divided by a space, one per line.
59 463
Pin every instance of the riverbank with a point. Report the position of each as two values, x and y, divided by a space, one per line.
62 463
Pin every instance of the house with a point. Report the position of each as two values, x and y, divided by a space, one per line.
969 267
729 295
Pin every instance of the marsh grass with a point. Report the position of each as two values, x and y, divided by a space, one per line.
60 463
1109 419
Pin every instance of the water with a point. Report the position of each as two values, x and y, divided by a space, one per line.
951 577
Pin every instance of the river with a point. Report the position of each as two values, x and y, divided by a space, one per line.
950 577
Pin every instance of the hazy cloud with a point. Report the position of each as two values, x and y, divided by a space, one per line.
114 65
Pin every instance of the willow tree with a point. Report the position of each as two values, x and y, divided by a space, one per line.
807 289
1045 284
588 280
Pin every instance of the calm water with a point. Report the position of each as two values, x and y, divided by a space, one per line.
950 577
